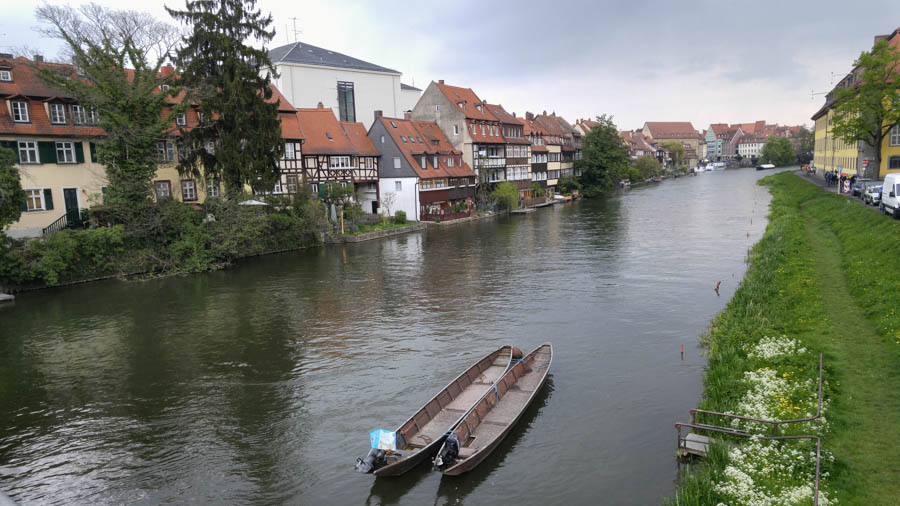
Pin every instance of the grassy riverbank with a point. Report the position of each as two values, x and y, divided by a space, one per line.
822 279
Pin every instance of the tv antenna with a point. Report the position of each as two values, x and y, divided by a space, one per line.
295 31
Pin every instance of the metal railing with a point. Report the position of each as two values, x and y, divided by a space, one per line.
60 223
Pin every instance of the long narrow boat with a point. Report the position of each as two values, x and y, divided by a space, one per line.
491 419
420 436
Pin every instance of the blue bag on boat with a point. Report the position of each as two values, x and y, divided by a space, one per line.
383 439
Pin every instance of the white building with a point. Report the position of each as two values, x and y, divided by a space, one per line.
409 95
355 89
751 147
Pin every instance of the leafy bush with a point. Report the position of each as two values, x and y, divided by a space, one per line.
400 217
507 195
568 184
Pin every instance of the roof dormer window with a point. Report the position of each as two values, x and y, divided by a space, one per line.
434 159
412 139
478 106
20 111
57 114
181 120
5 75
462 105
393 124
403 138
329 136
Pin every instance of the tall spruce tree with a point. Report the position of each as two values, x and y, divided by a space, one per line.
238 139
604 157
117 55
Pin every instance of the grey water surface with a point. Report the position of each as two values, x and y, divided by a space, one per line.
259 384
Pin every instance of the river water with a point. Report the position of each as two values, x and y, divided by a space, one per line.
260 383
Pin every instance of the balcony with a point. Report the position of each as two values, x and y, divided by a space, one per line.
490 162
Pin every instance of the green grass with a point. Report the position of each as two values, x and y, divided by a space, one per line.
825 273
384 225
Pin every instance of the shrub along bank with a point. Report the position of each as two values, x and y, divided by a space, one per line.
167 238
821 279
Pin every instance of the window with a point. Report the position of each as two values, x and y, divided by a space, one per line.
188 190
396 162
462 105
455 129
212 188
403 138
57 113
314 187
181 120
894 162
450 161
20 111
437 107
435 160
5 75
422 161
382 139
165 151
82 115
340 162
211 147
164 87
895 136
163 190
346 102
292 184
289 153
420 140
34 200
277 188
393 124
28 152
398 186
65 152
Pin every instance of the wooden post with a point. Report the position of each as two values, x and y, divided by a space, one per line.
342 221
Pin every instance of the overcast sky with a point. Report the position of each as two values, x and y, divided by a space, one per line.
654 60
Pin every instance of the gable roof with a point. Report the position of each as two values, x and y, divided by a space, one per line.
407 87
359 139
469 101
430 141
307 54
672 130
324 135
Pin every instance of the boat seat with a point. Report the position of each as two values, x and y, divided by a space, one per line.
466 452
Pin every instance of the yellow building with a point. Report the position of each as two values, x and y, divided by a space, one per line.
890 153
834 154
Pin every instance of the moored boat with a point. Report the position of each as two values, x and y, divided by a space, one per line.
495 414
423 433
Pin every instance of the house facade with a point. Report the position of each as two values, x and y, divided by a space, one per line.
422 173
52 136
681 131
354 89
517 147
337 152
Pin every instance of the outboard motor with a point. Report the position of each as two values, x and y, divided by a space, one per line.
375 459
448 454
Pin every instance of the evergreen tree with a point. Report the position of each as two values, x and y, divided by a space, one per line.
238 139
117 56
12 197
604 158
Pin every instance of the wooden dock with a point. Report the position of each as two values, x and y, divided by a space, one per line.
523 211
694 444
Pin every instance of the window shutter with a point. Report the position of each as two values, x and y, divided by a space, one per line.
47 151
25 206
79 151
48 199
93 147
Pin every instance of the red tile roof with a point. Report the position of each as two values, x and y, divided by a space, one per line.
469 101
433 142
323 133
672 130
358 137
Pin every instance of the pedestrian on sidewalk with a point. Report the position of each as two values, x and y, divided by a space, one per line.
841 187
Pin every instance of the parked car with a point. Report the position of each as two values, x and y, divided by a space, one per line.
890 195
872 195
858 186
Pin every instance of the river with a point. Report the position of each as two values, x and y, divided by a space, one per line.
260 383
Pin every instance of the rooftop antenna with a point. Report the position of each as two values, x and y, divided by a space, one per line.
812 94
296 31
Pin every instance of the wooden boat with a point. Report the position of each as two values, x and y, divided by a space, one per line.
489 421
419 437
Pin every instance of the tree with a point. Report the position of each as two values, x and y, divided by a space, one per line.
604 157
230 81
676 150
868 107
804 143
12 197
118 55
507 195
778 151
647 166
387 202
568 184
335 194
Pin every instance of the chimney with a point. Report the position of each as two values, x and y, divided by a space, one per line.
514 114
320 106
545 112
167 70
441 81
407 115
529 116
379 113
38 58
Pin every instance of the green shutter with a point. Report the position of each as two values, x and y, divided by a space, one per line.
48 199
79 152
47 151
25 206
13 146
93 152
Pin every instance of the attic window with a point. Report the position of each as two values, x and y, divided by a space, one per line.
437 107
419 138
5 75
329 136
402 138
462 105
164 87
393 124
478 106
412 139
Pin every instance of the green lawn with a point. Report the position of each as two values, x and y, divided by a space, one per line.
826 275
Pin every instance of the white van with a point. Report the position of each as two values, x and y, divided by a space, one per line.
890 195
